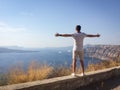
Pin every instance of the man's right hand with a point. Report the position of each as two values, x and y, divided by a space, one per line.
57 34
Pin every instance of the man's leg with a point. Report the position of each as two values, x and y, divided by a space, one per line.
82 65
74 66
82 60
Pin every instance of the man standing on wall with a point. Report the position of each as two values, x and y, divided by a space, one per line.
78 50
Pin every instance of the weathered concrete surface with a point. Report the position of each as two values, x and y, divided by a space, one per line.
66 82
112 83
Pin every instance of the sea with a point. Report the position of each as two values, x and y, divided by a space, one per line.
53 58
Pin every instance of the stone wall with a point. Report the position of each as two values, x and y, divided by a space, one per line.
66 82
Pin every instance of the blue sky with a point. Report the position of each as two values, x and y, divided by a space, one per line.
33 23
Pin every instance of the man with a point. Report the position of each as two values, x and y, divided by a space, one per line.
78 50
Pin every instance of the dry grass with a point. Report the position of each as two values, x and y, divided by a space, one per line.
103 65
64 70
61 71
37 71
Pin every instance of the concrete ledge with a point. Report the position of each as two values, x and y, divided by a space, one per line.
66 82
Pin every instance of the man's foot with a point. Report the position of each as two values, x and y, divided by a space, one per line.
73 74
82 74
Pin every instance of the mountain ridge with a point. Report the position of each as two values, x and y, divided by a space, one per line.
103 52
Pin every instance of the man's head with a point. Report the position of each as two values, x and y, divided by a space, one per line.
78 28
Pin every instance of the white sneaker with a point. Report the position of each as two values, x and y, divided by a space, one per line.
82 74
73 74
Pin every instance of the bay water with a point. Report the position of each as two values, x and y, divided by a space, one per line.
53 58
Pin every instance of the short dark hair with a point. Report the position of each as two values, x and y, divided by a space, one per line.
78 27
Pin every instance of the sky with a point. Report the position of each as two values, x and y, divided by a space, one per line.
33 23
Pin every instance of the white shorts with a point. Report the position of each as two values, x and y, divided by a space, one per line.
79 54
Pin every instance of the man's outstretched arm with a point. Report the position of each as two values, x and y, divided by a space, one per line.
90 35
63 35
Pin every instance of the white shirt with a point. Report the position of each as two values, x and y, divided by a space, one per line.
78 41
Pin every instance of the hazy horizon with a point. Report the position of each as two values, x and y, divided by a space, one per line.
15 46
33 23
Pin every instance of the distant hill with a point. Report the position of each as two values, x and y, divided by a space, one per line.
103 52
14 47
6 50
